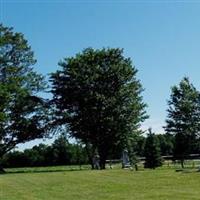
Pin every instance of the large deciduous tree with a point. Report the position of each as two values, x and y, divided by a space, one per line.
22 112
98 95
184 118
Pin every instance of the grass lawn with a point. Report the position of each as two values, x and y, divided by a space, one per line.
115 184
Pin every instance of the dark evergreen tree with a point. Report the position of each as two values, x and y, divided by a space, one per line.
98 95
184 118
152 152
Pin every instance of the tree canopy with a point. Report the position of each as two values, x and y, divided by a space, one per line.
184 117
22 111
98 95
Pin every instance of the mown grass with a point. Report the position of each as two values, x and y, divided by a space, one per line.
115 184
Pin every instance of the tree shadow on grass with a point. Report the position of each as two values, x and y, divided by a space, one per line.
21 171
187 170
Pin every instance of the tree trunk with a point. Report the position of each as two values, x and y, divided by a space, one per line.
102 160
2 171
182 163
102 163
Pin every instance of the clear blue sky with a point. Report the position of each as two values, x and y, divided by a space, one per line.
162 38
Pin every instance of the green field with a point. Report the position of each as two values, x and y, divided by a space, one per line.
115 184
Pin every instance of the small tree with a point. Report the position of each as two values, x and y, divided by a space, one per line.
22 112
152 151
98 95
184 118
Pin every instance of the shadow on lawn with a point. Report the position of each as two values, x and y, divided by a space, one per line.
20 171
187 170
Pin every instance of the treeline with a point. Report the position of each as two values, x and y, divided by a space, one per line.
165 142
61 152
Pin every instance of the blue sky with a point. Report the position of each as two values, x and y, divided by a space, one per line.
161 37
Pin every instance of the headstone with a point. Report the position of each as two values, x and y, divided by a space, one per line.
125 159
96 161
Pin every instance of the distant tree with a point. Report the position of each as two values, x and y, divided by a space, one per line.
139 144
166 144
184 118
22 111
153 157
197 146
98 95
36 155
79 154
49 156
16 159
62 151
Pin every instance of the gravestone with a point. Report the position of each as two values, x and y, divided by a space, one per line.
125 159
96 161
